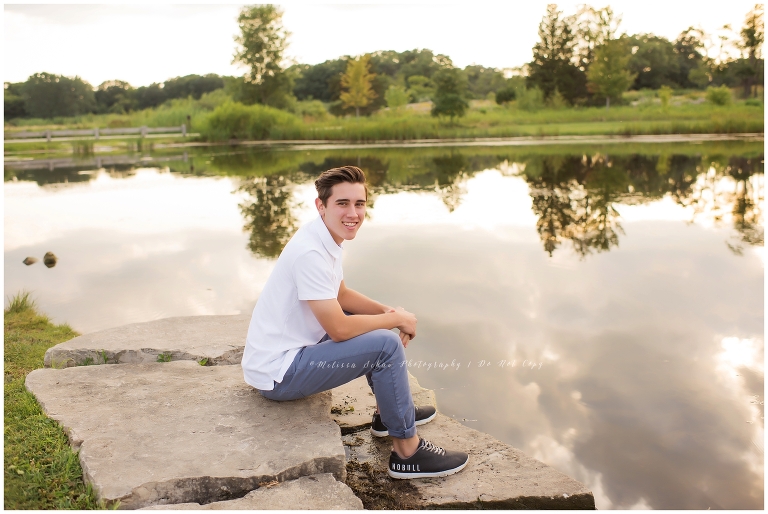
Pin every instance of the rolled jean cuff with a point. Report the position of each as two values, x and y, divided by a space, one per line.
407 434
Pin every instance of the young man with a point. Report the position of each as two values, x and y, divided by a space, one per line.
301 340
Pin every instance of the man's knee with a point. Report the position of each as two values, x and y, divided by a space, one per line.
391 343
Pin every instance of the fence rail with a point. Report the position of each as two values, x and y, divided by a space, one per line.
95 133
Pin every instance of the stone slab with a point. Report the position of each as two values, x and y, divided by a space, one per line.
179 432
497 476
314 492
219 339
353 403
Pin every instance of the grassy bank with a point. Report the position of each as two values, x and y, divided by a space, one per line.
216 118
495 121
41 470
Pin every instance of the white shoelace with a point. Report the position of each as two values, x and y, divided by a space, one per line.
426 445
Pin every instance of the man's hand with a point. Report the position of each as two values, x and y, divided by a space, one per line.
407 325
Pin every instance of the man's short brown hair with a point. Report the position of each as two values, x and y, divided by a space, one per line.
330 178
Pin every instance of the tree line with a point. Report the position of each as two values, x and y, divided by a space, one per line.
45 95
579 60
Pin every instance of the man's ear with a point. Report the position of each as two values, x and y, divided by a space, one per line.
320 207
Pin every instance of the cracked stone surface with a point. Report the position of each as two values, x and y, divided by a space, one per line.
497 476
354 403
321 492
179 432
220 339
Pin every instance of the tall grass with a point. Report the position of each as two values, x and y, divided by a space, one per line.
511 122
40 469
20 302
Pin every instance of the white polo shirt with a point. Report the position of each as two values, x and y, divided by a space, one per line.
309 268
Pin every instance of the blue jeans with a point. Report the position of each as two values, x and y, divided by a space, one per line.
379 355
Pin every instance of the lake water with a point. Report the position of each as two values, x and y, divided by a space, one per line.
600 308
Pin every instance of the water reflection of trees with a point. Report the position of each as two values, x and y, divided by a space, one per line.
268 214
571 207
574 197
730 187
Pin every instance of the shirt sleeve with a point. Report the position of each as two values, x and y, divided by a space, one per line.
314 277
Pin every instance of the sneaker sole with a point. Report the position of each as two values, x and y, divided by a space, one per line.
385 433
405 476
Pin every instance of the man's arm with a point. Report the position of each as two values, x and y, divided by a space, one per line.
357 303
341 327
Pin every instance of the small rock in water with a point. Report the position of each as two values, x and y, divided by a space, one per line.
29 261
49 259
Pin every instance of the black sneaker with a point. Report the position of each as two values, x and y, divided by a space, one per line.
428 461
424 414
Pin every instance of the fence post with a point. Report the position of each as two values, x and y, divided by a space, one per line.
144 131
96 133
48 135
184 129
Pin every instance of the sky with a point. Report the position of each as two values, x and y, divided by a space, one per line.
145 43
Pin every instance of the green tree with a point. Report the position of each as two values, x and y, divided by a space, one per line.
653 61
320 81
396 97
593 27
422 62
47 95
356 83
553 64
13 100
700 76
261 47
192 85
420 88
451 86
687 47
482 80
752 38
115 96
149 96
608 75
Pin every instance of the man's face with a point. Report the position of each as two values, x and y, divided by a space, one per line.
344 211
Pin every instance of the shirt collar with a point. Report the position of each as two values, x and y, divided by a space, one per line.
326 237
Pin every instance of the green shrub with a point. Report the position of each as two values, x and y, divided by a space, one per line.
505 95
313 109
530 99
233 120
719 95
754 102
665 94
557 100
